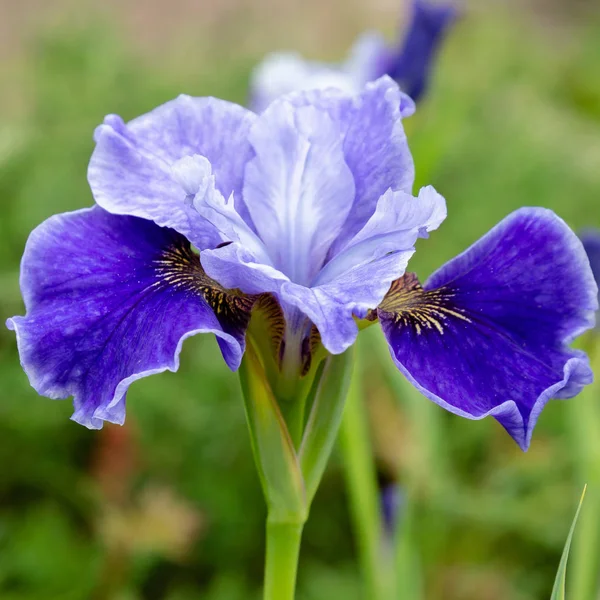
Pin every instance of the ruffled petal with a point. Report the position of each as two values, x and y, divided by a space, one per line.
411 65
398 221
298 188
488 334
134 169
374 144
110 299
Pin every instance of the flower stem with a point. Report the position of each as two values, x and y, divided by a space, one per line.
361 481
283 550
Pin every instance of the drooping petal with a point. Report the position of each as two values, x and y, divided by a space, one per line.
134 169
411 65
110 299
298 188
488 334
374 144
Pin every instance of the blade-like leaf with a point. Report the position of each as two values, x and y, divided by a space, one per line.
559 590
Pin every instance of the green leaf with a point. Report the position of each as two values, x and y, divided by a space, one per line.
558 592
274 453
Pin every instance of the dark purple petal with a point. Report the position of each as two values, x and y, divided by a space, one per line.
110 299
134 167
488 334
411 65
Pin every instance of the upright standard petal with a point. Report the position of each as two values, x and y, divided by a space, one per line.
110 299
298 188
411 65
136 167
488 332
374 144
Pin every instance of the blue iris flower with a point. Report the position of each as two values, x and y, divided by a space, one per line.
409 64
295 226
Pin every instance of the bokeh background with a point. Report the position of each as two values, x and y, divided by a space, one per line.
169 506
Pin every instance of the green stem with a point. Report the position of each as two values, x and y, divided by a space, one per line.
283 550
361 481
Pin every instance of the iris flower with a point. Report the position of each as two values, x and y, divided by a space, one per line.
294 226
409 64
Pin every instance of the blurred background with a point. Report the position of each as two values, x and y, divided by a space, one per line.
169 506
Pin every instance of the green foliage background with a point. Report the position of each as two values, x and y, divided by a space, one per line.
170 507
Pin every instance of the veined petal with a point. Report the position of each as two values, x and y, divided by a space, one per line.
110 299
488 334
133 169
374 144
195 174
331 306
298 189
398 221
411 64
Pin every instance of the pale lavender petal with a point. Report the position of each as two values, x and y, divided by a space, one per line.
133 169
331 307
374 144
398 221
488 334
298 188
110 299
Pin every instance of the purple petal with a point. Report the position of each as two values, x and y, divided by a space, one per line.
298 188
590 238
488 334
134 168
411 65
374 144
110 299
